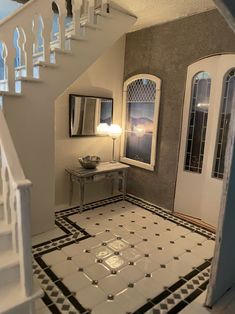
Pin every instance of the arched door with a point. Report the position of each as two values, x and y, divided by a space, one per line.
209 91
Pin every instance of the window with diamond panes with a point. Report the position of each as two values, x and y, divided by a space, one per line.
198 115
223 126
140 121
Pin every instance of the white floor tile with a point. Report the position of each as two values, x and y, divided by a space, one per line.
148 287
64 268
108 307
105 236
112 284
83 260
76 281
131 254
72 250
102 252
117 245
132 239
131 274
54 257
130 299
96 271
147 265
179 267
164 277
91 296
115 262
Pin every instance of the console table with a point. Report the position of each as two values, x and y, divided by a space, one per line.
105 170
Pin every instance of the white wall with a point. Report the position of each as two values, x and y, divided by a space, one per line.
103 78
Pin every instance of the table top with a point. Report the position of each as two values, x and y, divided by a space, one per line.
103 167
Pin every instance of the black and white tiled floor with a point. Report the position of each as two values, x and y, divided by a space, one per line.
120 257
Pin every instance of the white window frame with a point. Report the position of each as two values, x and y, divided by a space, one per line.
124 159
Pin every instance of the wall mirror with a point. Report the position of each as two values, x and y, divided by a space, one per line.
87 112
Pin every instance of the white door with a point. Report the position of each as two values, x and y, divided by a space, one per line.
209 90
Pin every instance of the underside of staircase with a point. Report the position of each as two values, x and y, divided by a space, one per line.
48 64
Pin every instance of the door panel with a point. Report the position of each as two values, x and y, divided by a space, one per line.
198 193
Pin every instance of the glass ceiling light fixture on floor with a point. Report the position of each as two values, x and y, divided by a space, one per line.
114 131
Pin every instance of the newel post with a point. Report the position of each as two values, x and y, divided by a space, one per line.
24 234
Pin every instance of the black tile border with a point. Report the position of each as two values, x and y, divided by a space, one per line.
63 216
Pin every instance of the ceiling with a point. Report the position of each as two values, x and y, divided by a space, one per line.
152 12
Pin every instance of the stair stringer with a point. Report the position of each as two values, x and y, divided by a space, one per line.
31 117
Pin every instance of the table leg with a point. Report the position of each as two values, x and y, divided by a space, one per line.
70 190
82 188
124 178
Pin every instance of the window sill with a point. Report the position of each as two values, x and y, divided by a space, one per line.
137 163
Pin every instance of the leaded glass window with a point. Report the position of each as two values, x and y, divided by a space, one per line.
223 126
197 124
140 124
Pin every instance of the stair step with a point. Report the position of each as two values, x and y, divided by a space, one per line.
76 37
12 94
104 14
44 64
5 228
28 79
8 259
12 297
61 51
90 25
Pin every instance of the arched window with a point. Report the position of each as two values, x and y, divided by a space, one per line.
223 126
197 122
140 120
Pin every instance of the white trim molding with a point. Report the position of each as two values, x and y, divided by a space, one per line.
148 166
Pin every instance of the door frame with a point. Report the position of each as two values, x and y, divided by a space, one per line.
210 64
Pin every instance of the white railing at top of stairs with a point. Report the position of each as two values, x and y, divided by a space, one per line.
35 19
15 192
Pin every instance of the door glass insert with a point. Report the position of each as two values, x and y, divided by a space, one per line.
141 96
197 124
223 126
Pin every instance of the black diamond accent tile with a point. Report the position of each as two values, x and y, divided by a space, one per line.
54 293
60 300
170 301
49 288
163 306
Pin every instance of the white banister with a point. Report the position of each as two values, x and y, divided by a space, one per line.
16 195
77 5
91 12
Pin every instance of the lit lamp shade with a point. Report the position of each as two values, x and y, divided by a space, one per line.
102 129
114 131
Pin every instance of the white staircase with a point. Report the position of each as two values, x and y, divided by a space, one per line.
17 291
48 65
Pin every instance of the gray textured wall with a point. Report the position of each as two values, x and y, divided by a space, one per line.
166 51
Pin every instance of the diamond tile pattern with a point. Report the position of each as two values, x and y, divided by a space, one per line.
119 256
